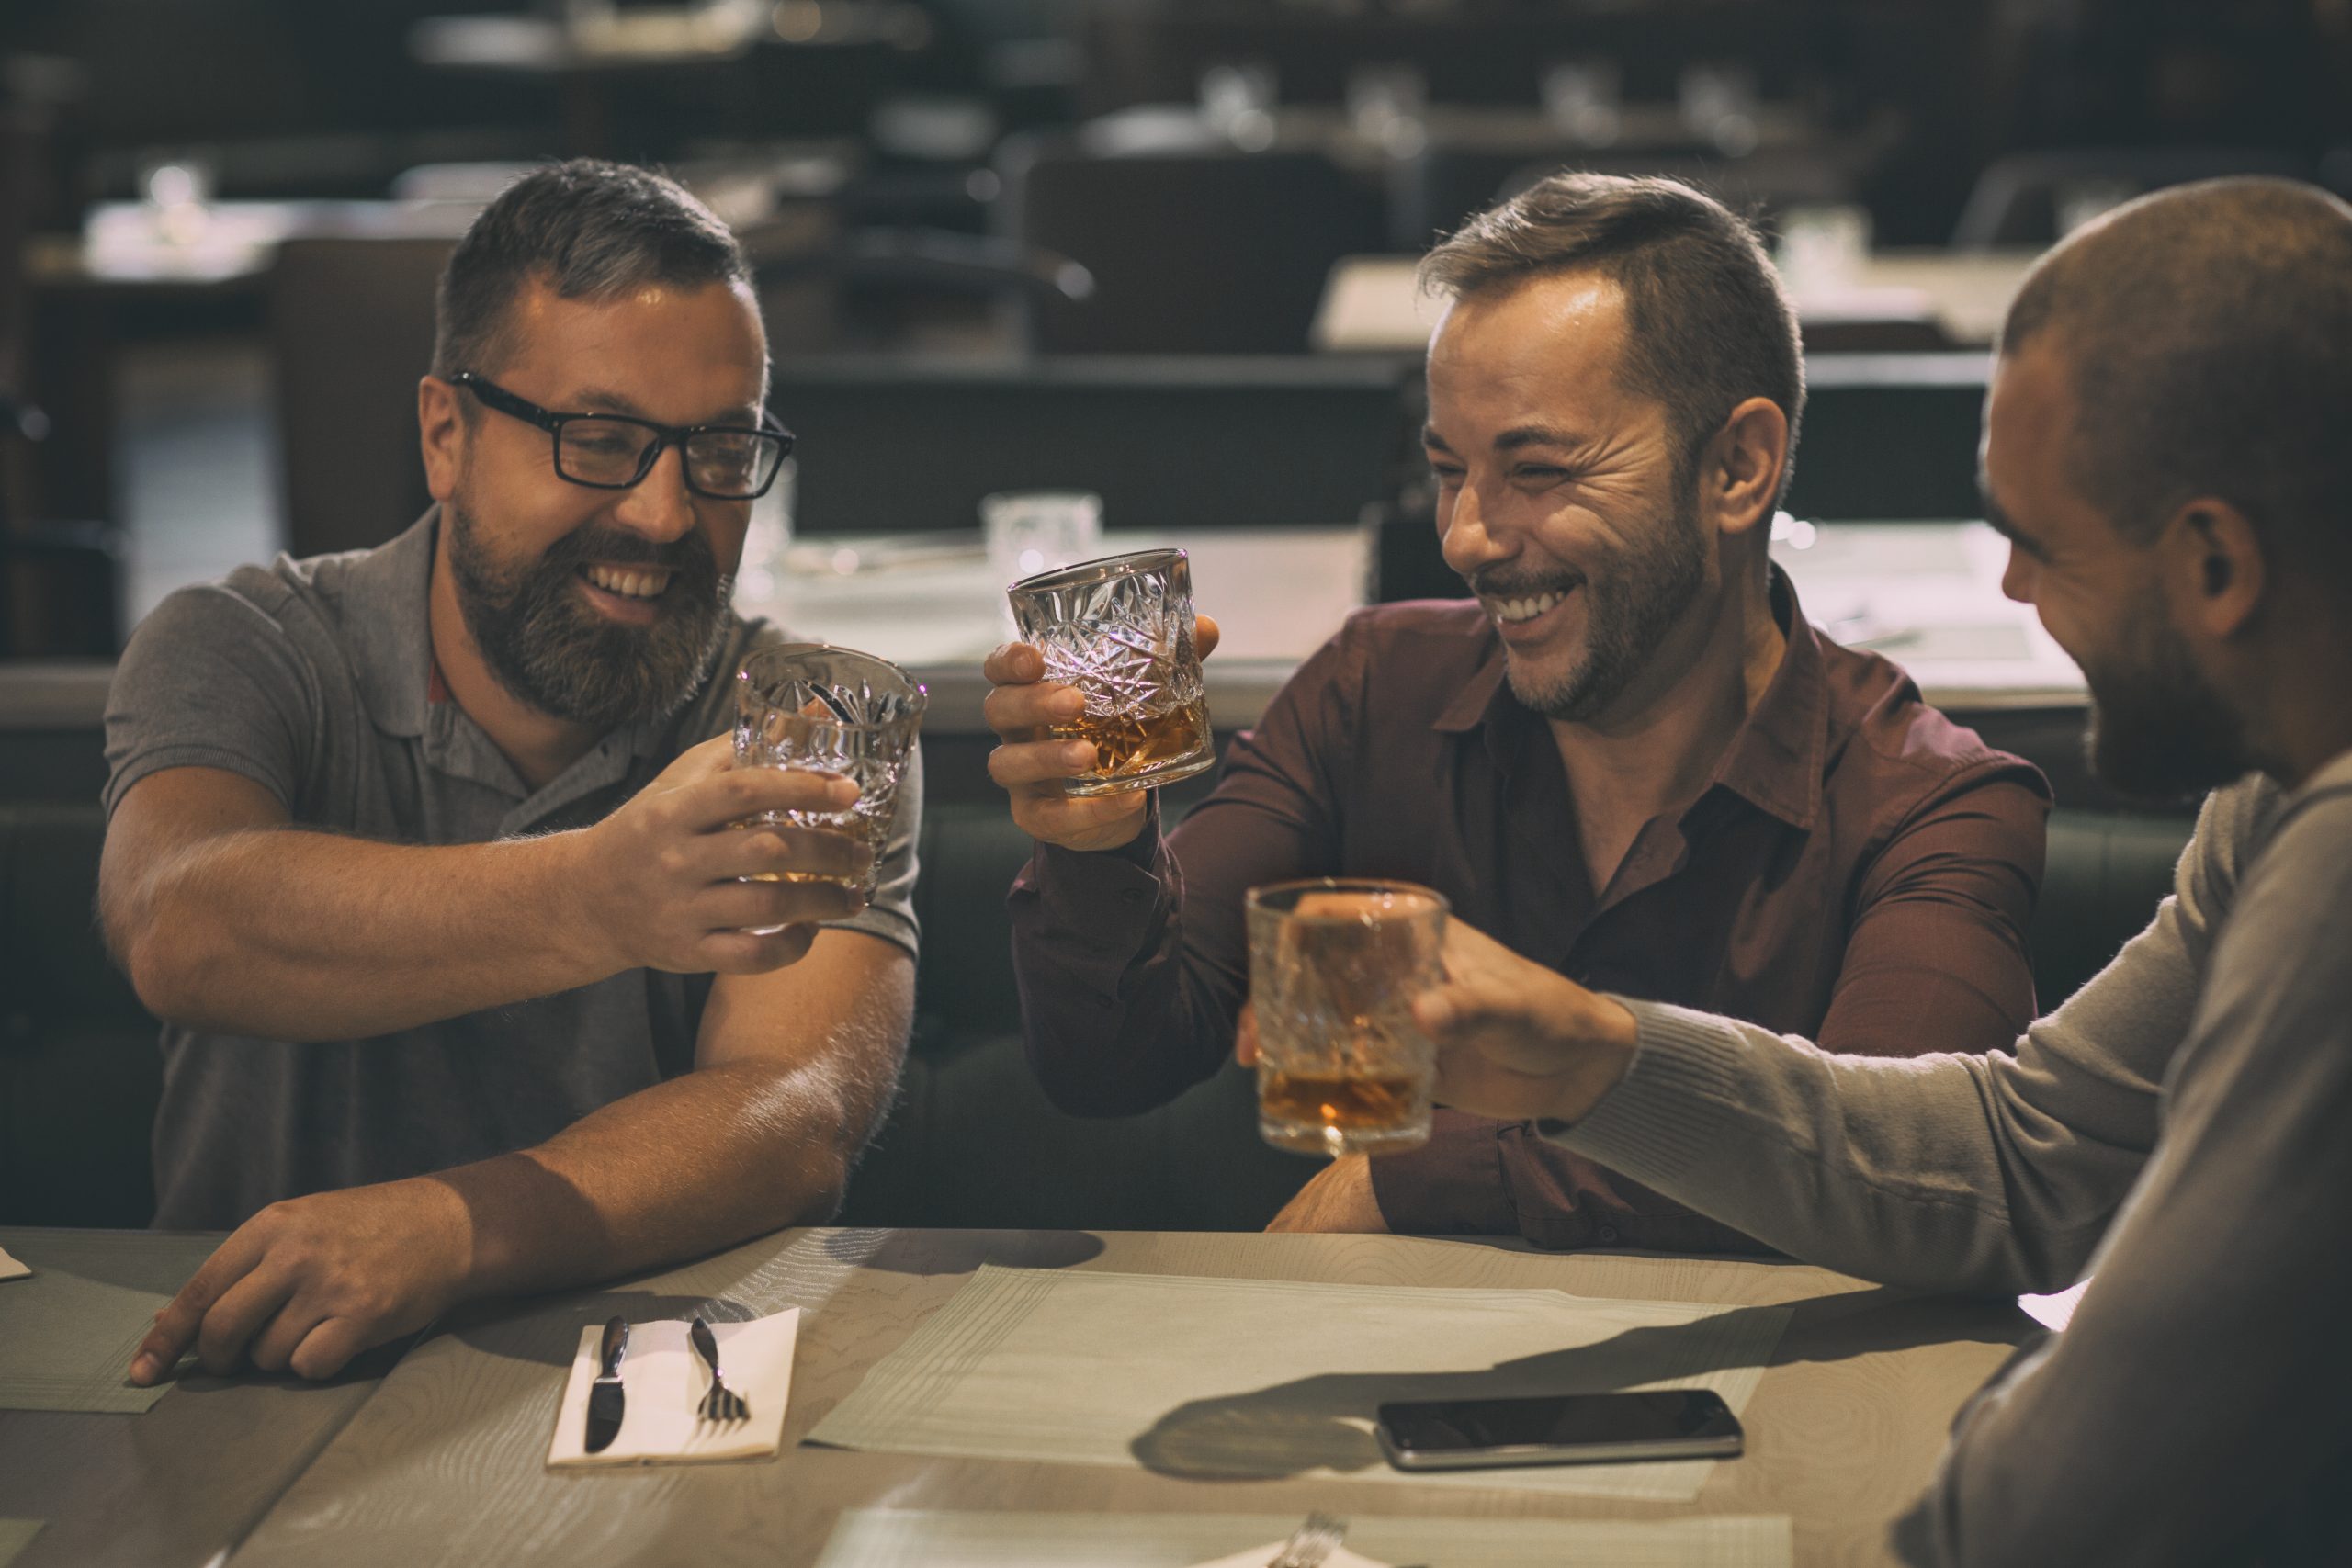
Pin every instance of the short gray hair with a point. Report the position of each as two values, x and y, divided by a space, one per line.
588 229
1710 325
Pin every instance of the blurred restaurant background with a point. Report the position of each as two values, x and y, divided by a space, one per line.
1158 252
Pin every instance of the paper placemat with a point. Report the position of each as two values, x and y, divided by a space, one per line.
664 1381
15 1535
906 1537
1249 1379
91 1297
10 1269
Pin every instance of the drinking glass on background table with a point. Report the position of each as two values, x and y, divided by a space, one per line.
832 710
1334 966
1032 530
1120 631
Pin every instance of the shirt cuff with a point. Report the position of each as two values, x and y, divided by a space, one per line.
1103 903
1452 1185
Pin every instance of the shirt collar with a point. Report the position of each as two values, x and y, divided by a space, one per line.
387 626
1775 760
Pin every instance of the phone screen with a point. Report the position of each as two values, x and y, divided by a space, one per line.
1574 1420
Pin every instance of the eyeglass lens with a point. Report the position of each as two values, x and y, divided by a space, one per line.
719 462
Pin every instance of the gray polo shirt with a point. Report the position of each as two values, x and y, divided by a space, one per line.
314 678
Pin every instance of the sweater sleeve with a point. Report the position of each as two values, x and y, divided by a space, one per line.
1985 1172
2191 1411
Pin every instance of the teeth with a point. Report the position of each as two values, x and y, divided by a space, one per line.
1513 610
642 583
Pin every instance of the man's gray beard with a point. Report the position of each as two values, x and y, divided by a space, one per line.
1652 587
2158 729
548 649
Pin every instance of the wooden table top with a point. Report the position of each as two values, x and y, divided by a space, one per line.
442 1461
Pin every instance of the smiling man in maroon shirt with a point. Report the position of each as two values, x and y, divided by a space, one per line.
1630 757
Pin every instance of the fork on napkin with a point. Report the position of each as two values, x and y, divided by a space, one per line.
666 1383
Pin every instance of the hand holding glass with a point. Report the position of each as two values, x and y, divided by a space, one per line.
835 711
1334 966
1120 630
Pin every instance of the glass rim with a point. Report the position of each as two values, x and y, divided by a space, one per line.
1255 899
919 697
1103 569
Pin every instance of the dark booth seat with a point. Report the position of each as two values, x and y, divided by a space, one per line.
973 1142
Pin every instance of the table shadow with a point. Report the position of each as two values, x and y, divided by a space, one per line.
1307 1424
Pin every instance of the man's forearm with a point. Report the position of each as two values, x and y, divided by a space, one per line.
289 934
685 1167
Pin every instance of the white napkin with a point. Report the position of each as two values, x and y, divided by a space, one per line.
665 1381
1259 1556
9 1268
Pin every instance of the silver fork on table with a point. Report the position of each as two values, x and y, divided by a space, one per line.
722 1403
1311 1543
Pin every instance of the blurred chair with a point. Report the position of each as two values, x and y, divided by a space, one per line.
350 331
1191 252
60 583
2031 199
1437 192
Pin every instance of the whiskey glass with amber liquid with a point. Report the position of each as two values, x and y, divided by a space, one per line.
1334 966
829 710
1120 630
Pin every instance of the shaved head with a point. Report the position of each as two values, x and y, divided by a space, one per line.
2208 332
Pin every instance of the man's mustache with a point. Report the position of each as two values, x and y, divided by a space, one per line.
689 555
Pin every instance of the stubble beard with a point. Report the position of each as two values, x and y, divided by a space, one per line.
2159 731
1650 588
551 650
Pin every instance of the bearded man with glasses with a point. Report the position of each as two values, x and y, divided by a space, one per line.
424 852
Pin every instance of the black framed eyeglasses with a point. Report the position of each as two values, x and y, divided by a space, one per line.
611 451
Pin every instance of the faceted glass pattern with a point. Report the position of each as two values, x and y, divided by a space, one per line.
837 711
1334 966
1121 631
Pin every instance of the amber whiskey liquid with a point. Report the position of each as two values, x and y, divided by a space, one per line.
873 831
1137 750
1331 1114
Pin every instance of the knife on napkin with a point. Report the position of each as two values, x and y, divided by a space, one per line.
606 1396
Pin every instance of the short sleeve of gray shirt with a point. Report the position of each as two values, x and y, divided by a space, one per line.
314 678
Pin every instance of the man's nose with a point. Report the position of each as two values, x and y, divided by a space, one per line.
2016 577
1466 536
658 505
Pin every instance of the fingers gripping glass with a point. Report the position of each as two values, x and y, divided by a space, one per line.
611 451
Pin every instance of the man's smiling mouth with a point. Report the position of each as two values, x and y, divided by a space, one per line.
629 582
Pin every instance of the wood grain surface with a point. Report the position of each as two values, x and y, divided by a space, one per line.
446 1463
178 1484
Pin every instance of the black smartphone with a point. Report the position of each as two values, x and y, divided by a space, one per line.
1565 1428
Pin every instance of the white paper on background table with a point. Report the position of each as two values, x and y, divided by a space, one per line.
10 1269
1257 1378
897 1538
665 1380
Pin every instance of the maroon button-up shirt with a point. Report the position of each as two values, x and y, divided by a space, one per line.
1860 870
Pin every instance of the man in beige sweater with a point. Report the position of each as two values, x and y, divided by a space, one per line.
2168 445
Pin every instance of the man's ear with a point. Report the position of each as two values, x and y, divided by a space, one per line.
1739 472
441 433
2214 568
